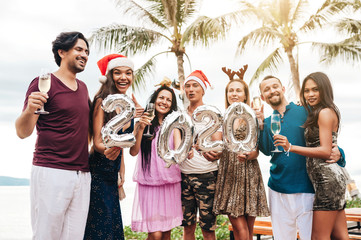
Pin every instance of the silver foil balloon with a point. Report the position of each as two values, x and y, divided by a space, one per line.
110 130
183 122
213 118
244 112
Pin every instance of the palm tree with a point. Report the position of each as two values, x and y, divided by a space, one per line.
162 21
284 24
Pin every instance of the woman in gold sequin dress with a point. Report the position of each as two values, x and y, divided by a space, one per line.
328 179
240 192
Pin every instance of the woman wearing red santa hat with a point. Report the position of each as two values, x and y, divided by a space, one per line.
104 218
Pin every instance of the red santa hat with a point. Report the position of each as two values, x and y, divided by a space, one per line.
111 61
199 77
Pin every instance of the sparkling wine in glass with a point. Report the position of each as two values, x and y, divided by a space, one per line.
44 84
150 110
276 126
257 104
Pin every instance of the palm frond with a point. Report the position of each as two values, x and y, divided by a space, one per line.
348 50
173 13
186 10
355 5
126 39
349 25
324 15
248 12
299 12
204 30
145 71
285 7
170 11
132 8
271 62
260 37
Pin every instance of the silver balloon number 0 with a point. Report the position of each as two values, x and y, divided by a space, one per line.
248 119
110 130
183 122
214 117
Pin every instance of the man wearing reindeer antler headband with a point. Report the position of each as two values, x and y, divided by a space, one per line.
199 174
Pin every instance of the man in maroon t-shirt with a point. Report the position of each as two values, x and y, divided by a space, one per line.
60 178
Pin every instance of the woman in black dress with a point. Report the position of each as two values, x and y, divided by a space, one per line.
107 164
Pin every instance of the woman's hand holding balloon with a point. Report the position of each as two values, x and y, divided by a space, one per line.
190 154
243 156
112 153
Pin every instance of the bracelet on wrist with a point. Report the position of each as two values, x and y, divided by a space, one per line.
288 150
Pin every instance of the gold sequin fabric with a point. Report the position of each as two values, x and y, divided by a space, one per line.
239 188
329 180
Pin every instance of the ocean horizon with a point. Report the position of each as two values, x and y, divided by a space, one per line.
15 211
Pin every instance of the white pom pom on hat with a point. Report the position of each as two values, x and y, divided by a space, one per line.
199 77
102 79
111 61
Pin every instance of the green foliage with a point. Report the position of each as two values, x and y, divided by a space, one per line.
354 203
222 231
133 235
165 23
286 24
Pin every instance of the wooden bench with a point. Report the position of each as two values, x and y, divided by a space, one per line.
354 236
262 227
354 215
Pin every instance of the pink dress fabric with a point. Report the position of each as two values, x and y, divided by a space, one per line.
157 201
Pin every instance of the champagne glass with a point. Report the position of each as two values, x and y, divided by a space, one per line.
44 84
276 126
150 111
257 104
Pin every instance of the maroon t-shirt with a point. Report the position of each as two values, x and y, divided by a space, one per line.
62 140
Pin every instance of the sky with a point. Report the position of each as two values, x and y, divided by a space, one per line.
29 27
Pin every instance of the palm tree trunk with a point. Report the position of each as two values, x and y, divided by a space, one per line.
294 72
181 79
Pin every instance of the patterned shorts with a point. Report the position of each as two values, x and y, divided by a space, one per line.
198 190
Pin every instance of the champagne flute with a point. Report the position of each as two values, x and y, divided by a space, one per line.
44 84
276 127
151 115
257 105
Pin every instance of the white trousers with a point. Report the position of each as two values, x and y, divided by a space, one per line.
59 203
290 212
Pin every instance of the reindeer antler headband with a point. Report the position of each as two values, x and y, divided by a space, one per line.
239 73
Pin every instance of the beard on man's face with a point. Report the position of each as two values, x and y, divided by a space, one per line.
275 102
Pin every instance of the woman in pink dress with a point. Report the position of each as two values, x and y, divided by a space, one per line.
157 206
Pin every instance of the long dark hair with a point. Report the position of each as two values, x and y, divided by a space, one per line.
326 99
105 89
146 143
65 41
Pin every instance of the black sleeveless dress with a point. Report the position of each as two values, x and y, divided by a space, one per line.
104 217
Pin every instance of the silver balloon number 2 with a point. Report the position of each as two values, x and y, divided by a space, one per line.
248 118
183 122
213 117
109 132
